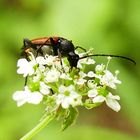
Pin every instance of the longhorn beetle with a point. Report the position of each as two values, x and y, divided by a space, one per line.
59 46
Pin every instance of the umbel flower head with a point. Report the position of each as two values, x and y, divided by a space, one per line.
62 88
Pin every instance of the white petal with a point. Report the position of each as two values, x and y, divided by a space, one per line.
70 88
91 74
21 62
82 74
66 102
74 94
52 76
59 98
40 60
98 99
20 97
25 67
113 104
35 98
65 76
62 89
44 89
92 93
90 61
91 84
116 97
80 81
99 68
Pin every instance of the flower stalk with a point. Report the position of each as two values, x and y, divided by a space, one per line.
44 122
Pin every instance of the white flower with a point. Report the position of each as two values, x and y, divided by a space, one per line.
81 62
80 81
100 68
37 76
44 89
65 76
98 99
82 74
91 74
27 96
109 80
92 93
67 96
91 84
25 67
110 100
41 60
90 61
50 60
52 75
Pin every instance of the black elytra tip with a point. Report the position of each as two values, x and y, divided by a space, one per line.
26 42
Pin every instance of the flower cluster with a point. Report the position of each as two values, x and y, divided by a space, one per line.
59 86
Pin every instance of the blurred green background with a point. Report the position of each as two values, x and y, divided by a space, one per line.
108 26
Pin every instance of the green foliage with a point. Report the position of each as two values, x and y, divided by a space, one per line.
70 117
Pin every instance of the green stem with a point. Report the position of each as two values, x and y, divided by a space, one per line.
38 127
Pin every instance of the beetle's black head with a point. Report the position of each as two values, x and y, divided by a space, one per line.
65 46
73 59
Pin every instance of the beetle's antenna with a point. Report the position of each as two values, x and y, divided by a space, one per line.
111 55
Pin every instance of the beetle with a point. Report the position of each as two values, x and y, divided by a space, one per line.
58 46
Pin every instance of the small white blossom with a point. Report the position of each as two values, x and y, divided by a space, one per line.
82 74
79 64
110 100
100 68
90 61
92 93
25 67
50 60
109 80
80 81
44 89
91 84
27 96
68 96
41 60
52 76
91 74
65 76
98 99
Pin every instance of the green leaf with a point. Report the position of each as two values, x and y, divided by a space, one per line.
70 118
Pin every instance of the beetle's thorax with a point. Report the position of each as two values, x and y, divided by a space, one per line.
65 46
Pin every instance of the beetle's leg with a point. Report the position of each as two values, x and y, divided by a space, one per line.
60 56
51 42
55 47
80 48
26 79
